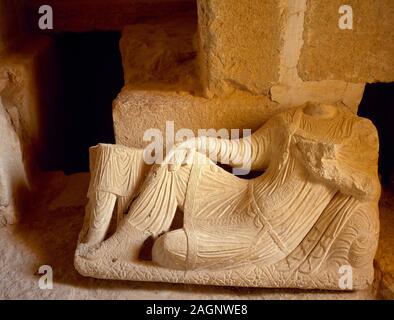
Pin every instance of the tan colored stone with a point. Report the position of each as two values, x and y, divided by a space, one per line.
161 53
309 221
287 88
13 178
21 74
135 111
239 45
292 90
330 91
36 242
364 54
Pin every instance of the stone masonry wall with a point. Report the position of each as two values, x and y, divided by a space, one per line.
363 54
295 49
253 58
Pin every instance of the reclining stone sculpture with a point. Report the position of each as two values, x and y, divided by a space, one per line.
312 211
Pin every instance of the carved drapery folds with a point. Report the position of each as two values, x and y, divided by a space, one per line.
312 211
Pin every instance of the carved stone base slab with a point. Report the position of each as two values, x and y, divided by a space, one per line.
251 276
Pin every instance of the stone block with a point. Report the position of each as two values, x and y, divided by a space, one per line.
239 45
135 111
329 91
160 53
363 54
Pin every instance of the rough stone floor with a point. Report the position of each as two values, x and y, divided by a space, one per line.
48 236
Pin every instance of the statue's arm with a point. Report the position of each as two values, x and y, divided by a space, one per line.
252 150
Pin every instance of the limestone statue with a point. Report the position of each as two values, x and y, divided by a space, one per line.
312 211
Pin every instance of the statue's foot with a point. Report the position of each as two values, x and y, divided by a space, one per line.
124 244
170 250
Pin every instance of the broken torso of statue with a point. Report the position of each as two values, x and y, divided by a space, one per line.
308 219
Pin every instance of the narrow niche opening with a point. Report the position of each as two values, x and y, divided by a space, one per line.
90 76
378 106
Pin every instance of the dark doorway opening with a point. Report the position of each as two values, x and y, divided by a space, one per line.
378 106
90 77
